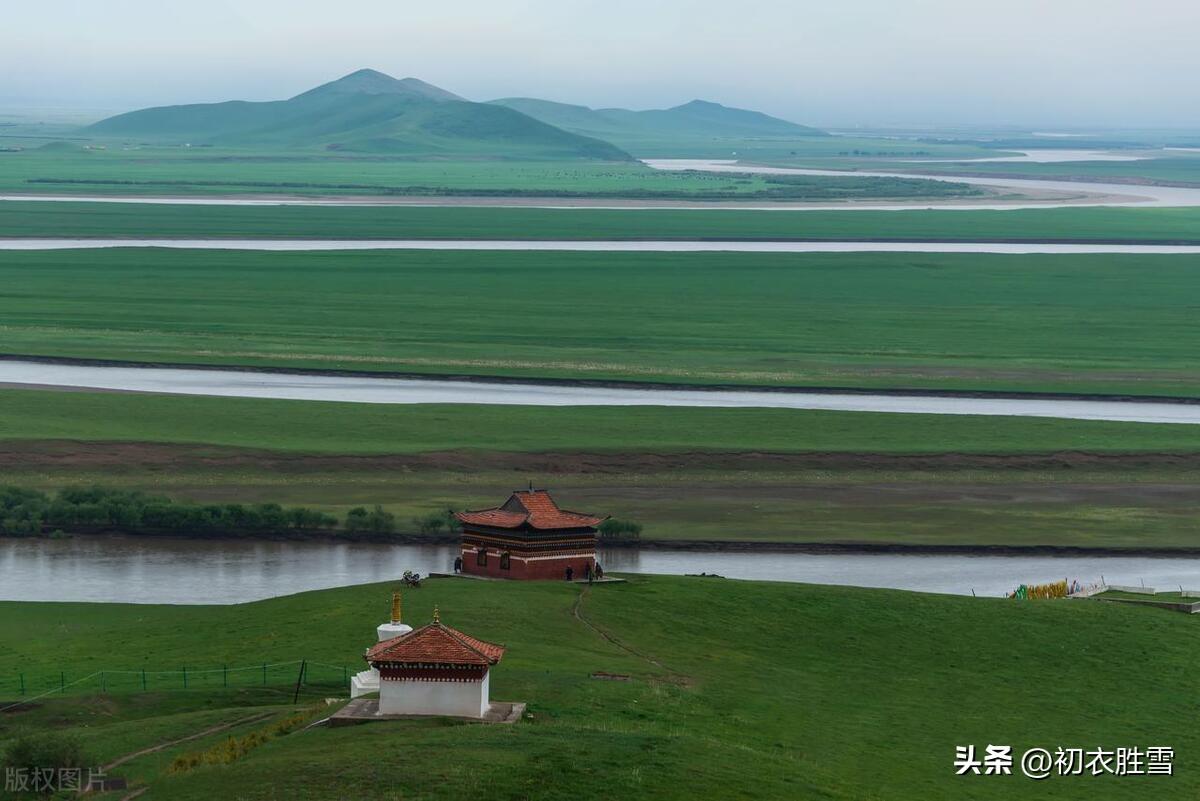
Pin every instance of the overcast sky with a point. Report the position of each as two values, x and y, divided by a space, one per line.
834 62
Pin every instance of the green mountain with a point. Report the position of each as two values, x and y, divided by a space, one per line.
366 111
698 119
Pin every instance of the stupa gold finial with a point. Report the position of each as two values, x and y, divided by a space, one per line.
437 617
395 607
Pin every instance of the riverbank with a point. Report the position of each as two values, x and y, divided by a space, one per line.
1017 323
452 540
32 218
595 383
808 669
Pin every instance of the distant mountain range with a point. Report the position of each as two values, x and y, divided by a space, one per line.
370 112
698 119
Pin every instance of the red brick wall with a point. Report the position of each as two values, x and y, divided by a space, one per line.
541 568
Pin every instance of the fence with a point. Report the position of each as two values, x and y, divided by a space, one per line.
22 685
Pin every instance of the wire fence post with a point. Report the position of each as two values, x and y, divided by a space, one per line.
103 683
185 677
225 675
345 676
299 678
143 680
264 674
22 684
62 682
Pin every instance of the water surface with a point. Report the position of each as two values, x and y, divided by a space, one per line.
176 571
611 246
367 389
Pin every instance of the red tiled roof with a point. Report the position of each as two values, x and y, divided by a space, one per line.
533 507
438 644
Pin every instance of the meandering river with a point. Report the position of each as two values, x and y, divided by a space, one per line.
174 571
1043 194
368 389
612 246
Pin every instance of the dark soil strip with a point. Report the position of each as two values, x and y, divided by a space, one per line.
41 454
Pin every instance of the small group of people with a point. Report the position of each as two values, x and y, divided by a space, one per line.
592 574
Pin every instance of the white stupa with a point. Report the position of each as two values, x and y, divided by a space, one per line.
368 680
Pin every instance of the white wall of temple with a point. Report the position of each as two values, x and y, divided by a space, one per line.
458 698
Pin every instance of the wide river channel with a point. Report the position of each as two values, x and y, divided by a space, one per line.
160 570
367 389
604 246
1043 194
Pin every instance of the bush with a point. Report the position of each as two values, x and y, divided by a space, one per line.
376 521
30 753
613 529
28 513
432 523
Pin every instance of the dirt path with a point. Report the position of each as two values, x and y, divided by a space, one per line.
673 676
261 716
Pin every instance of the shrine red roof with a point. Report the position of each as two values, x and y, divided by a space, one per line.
534 508
435 643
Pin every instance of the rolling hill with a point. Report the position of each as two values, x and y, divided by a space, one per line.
366 111
698 119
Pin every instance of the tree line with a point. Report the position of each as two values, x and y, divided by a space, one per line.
31 513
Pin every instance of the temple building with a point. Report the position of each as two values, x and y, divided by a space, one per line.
433 670
528 537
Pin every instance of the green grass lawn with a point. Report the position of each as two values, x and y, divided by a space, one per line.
718 474
177 170
38 219
347 428
1105 324
764 690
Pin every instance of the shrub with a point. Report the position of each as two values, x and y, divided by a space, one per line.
613 529
45 751
432 523
376 521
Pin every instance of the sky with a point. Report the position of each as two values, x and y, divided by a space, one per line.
1068 63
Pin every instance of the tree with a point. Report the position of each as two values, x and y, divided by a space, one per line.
613 529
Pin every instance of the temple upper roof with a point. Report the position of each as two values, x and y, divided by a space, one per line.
534 508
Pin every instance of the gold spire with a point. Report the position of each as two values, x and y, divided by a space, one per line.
437 618
395 607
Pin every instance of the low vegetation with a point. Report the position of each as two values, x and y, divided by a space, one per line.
996 322
806 681
699 474
105 220
31 513
613 529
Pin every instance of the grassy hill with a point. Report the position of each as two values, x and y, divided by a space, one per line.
736 690
697 120
366 111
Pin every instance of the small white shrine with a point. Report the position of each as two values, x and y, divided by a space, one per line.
433 670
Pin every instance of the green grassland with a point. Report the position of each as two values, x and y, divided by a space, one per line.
84 219
692 474
366 429
1099 323
738 689
159 170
